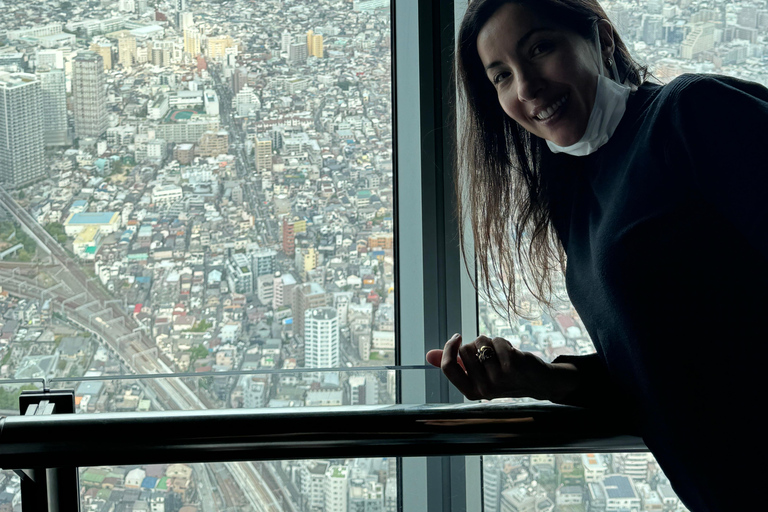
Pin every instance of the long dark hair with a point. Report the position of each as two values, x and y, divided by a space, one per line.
501 185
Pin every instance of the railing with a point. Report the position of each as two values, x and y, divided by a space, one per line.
338 432
46 442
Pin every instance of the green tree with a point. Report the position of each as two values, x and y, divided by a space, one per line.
9 400
197 352
201 326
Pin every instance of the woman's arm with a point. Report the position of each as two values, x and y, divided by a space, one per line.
510 373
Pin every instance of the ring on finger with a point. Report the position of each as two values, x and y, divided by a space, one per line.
485 353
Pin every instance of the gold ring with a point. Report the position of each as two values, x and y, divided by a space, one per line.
485 353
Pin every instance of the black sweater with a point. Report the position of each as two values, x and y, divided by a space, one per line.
666 233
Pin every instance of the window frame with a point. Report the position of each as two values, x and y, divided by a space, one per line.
434 294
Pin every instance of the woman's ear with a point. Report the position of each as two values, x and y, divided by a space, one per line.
607 46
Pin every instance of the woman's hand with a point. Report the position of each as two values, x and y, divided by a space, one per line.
507 372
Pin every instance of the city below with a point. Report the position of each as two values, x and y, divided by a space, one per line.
206 188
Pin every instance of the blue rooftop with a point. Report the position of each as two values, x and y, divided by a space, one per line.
619 486
149 482
91 218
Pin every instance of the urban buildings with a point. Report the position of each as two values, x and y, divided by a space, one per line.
321 338
89 95
22 141
220 244
54 100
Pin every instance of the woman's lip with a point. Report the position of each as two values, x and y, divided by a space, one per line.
556 116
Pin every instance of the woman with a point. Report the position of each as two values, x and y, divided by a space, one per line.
657 197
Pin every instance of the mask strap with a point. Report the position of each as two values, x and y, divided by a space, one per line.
614 68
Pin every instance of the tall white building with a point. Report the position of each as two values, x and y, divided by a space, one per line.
181 6
493 484
186 20
700 39
321 338
240 275
211 102
22 145
263 261
285 41
89 95
634 465
247 102
53 84
363 390
336 480
312 484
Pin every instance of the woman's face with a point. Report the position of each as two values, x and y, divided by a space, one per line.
540 70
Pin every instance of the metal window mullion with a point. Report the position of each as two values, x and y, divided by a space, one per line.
432 298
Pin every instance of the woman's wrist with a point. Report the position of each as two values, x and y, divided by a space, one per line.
563 382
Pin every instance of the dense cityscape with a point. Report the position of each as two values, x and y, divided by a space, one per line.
205 187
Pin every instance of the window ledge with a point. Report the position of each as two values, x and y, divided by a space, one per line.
306 433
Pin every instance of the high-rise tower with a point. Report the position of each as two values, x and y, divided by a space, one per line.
321 338
22 147
89 95
54 99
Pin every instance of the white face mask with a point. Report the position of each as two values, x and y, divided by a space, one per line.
610 104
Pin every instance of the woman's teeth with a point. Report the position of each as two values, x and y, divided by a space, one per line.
551 110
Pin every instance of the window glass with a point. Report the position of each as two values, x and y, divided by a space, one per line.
201 188
333 484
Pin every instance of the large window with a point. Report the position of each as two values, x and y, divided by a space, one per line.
203 189
198 212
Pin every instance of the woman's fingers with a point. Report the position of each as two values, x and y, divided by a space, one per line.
477 371
454 367
503 371
498 367
434 357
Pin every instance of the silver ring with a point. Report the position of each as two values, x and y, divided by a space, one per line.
485 353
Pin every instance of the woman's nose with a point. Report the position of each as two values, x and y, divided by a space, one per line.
528 86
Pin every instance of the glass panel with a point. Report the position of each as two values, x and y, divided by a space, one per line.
233 390
576 483
336 485
211 189
10 491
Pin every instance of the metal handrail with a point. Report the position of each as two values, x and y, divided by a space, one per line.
308 433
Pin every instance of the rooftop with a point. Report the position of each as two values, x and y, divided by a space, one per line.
92 218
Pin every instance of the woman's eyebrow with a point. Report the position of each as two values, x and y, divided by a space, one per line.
520 44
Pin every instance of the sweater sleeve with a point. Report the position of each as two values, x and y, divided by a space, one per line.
596 389
718 139
600 393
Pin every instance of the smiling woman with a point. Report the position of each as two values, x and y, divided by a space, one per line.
544 75
560 157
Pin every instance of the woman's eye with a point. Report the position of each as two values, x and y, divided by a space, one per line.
499 77
541 47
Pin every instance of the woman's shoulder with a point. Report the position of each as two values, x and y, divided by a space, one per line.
693 88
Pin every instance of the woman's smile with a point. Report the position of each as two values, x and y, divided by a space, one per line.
545 76
550 115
